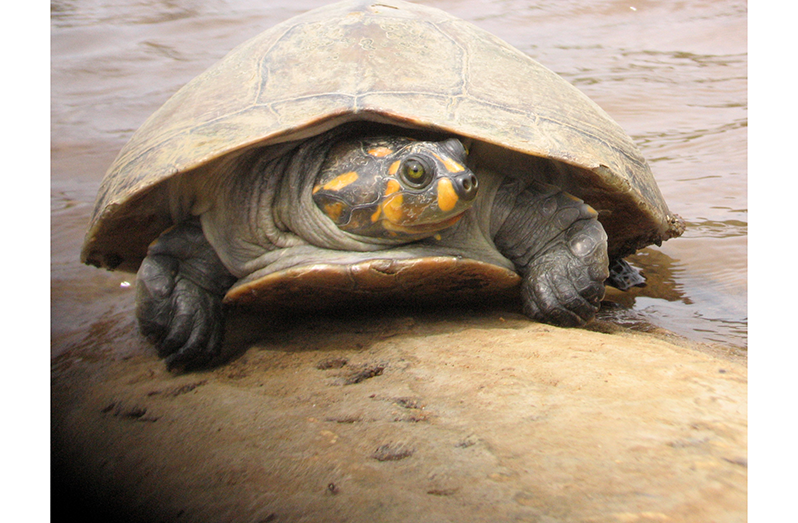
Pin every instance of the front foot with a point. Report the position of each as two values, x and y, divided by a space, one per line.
179 292
558 246
565 285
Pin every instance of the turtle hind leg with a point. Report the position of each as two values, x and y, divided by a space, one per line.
559 248
179 290
623 276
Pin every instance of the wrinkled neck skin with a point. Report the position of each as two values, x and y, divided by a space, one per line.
261 217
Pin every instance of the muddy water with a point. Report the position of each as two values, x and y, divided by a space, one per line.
673 74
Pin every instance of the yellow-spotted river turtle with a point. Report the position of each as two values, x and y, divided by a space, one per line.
372 149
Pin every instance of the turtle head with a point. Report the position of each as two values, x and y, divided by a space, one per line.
395 187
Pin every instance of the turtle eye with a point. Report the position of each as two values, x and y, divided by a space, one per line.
415 173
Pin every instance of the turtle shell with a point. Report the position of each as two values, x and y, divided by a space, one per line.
389 62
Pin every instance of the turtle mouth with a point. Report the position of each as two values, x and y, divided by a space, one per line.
423 228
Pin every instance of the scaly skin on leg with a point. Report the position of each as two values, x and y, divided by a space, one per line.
558 247
179 292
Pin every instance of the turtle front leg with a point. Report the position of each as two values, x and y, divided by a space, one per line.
179 291
558 247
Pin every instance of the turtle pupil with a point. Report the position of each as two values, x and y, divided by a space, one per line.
415 174
415 170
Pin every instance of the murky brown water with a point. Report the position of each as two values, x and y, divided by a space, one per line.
672 73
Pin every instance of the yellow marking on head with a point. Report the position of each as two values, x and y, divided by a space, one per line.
376 215
334 210
379 152
451 165
392 170
392 208
392 187
341 181
447 197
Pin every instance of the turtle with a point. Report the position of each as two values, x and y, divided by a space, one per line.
372 152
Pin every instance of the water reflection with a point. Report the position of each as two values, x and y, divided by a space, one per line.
680 299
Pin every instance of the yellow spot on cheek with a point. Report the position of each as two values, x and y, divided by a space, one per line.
392 170
447 197
393 208
339 182
392 187
451 165
379 152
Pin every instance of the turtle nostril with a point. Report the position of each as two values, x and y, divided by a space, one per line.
467 186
